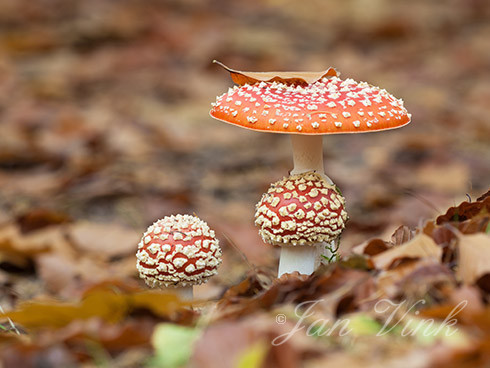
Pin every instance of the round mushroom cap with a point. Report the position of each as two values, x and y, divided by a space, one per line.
178 251
327 106
302 209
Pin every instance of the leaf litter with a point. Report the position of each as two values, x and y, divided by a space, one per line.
102 134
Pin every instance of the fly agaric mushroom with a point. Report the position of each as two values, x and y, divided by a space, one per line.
297 213
307 106
178 252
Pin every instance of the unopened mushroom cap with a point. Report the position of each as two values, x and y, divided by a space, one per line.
178 251
327 106
302 209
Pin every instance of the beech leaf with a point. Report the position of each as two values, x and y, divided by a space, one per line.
421 246
474 257
106 304
290 78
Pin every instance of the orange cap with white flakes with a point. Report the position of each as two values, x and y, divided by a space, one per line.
302 209
328 105
178 251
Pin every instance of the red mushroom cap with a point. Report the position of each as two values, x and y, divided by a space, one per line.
327 106
301 209
178 251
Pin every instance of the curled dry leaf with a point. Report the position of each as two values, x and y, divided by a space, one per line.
483 196
421 246
466 211
443 235
474 257
402 235
376 246
371 247
250 286
296 78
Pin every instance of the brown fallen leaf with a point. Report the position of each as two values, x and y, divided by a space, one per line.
421 246
104 239
371 247
56 271
474 257
249 287
38 218
483 196
221 344
477 354
109 304
466 211
20 249
66 276
402 235
296 78
225 344
79 336
11 240
415 279
350 287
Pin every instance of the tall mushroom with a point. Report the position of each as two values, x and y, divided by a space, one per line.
306 106
178 252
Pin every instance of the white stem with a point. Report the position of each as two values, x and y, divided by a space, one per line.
308 154
303 259
185 293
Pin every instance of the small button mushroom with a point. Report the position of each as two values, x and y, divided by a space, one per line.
298 213
178 252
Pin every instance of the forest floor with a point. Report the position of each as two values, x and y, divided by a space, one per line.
104 128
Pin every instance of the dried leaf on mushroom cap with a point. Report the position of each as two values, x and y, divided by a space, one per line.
178 251
295 78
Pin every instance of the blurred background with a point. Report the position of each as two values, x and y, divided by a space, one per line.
104 124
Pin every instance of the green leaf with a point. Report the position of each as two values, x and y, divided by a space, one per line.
427 332
254 356
173 345
363 325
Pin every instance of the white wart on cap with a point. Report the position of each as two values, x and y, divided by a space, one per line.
302 209
178 251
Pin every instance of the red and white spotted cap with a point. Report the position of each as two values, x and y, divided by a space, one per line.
178 251
302 209
328 106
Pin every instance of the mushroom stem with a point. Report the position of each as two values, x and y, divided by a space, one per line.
303 259
185 293
308 154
